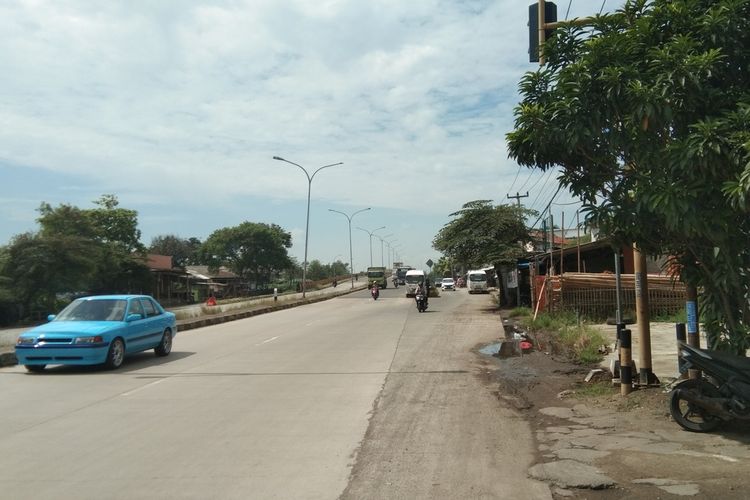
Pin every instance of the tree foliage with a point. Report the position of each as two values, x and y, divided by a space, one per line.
254 251
76 250
647 111
316 270
184 252
482 234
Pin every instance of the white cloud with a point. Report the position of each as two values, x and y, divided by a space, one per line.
158 99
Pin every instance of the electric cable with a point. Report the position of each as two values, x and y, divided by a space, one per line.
600 10
514 180
568 11
559 186
542 189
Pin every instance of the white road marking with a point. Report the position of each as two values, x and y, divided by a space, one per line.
268 340
144 387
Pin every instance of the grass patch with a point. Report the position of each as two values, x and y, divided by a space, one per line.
566 333
678 317
596 390
519 311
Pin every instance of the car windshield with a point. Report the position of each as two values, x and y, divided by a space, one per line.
375 274
448 280
93 310
414 279
477 277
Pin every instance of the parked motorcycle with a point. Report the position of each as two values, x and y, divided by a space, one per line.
722 394
421 302
375 292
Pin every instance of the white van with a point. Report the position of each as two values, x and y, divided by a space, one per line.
476 281
414 277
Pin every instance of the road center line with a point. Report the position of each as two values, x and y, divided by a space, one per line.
144 387
268 340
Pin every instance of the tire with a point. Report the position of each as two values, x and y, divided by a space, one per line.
115 355
35 368
165 345
689 416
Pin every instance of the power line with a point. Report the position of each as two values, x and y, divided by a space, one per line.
600 10
568 11
542 192
559 186
548 174
527 180
514 180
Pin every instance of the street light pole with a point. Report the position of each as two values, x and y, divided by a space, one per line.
349 218
307 222
371 233
382 238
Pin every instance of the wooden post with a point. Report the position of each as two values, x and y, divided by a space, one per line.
642 317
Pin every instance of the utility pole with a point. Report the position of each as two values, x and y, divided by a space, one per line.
518 277
518 197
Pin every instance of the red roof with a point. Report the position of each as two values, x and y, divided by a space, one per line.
159 262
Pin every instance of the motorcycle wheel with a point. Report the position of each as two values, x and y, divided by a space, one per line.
690 416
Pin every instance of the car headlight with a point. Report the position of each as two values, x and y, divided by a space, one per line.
25 340
88 340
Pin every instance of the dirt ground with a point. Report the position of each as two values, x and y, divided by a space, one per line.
629 446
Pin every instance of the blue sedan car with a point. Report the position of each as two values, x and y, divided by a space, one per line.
98 330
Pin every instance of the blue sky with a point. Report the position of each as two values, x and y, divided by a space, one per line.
177 107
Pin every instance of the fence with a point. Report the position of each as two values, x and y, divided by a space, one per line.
595 296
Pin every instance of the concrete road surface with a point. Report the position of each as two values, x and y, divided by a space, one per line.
349 398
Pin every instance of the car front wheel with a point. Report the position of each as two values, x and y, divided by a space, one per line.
116 354
165 346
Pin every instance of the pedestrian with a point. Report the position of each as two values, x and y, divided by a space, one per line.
211 300
275 294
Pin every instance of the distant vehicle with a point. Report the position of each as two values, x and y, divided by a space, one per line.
413 278
401 274
438 282
477 281
98 330
376 275
448 284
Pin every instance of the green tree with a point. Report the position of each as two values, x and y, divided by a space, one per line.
254 251
183 251
482 234
648 114
317 271
41 267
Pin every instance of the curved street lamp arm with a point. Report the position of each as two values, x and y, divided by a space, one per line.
325 166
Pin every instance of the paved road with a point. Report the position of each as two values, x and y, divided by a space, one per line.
348 398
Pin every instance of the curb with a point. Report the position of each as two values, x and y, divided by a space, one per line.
8 358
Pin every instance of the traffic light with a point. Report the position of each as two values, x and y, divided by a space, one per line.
550 16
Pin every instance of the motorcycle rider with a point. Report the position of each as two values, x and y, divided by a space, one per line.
421 290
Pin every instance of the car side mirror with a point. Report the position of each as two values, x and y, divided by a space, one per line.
133 317
50 317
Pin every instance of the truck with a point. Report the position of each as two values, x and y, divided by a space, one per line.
400 273
376 275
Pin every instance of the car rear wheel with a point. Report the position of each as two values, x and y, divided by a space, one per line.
35 368
116 354
165 346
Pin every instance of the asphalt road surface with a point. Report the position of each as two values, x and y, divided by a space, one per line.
348 398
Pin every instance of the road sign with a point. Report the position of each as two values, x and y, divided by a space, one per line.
429 263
